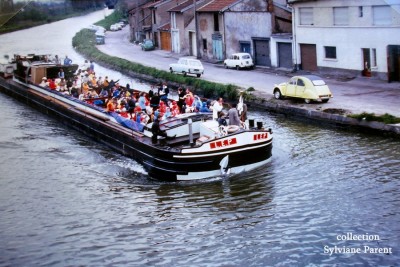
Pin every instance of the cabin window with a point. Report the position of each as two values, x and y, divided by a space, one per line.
382 15
216 22
306 16
340 16
330 52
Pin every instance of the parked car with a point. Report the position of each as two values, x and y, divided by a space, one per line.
147 45
100 37
187 66
308 87
113 28
239 61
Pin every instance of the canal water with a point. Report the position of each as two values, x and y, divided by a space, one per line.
327 197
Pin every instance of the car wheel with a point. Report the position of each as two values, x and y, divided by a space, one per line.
308 101
325 101
198 75
237 68
184 73
226 66
277 94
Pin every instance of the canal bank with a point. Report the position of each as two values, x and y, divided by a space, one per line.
352 95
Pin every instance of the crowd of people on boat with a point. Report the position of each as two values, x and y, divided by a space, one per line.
141 107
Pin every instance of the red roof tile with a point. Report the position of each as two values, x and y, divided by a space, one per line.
216 5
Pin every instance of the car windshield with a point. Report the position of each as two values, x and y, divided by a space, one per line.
148 42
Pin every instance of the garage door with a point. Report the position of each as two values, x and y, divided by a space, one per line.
285 55
261 53
308 57
165 41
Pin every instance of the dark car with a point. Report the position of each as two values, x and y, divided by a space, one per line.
147 45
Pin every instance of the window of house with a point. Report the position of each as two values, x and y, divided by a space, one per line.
154 17
204 44
306 16
330 52
360 11
381 15
216 22
340 16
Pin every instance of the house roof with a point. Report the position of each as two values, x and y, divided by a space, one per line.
181 7
218 5
152 4
165 27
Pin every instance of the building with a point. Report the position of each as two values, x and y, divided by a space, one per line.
229 26
347 37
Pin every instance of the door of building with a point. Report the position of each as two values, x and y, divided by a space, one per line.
261 52
393 63
285 55
245 47
217 47
308 54
165 40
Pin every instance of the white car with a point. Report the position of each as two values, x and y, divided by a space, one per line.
187 66
239 61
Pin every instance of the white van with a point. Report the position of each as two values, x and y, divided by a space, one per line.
187 66
239 61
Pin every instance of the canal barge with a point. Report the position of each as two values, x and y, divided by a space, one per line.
198 148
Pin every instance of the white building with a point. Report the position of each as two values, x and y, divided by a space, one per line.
348 37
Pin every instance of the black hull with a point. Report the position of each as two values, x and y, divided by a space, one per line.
160 163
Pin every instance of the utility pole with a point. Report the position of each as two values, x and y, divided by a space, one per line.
197 30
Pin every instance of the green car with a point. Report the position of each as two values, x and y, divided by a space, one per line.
147 45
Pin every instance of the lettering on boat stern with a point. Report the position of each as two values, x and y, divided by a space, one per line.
260 136
223 143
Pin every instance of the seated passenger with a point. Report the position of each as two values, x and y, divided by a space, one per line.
52 84
111 105
44 82
204 107
221 119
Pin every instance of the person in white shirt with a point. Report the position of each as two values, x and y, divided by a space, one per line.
217 107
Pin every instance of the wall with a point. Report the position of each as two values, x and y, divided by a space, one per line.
243 26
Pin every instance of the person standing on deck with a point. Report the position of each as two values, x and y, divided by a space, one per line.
234 115
67 61
217 107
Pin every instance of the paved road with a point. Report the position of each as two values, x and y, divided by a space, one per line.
358 95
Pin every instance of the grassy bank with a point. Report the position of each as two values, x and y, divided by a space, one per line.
386 118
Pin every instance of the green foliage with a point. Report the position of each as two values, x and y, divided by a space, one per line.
386 118
114 17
